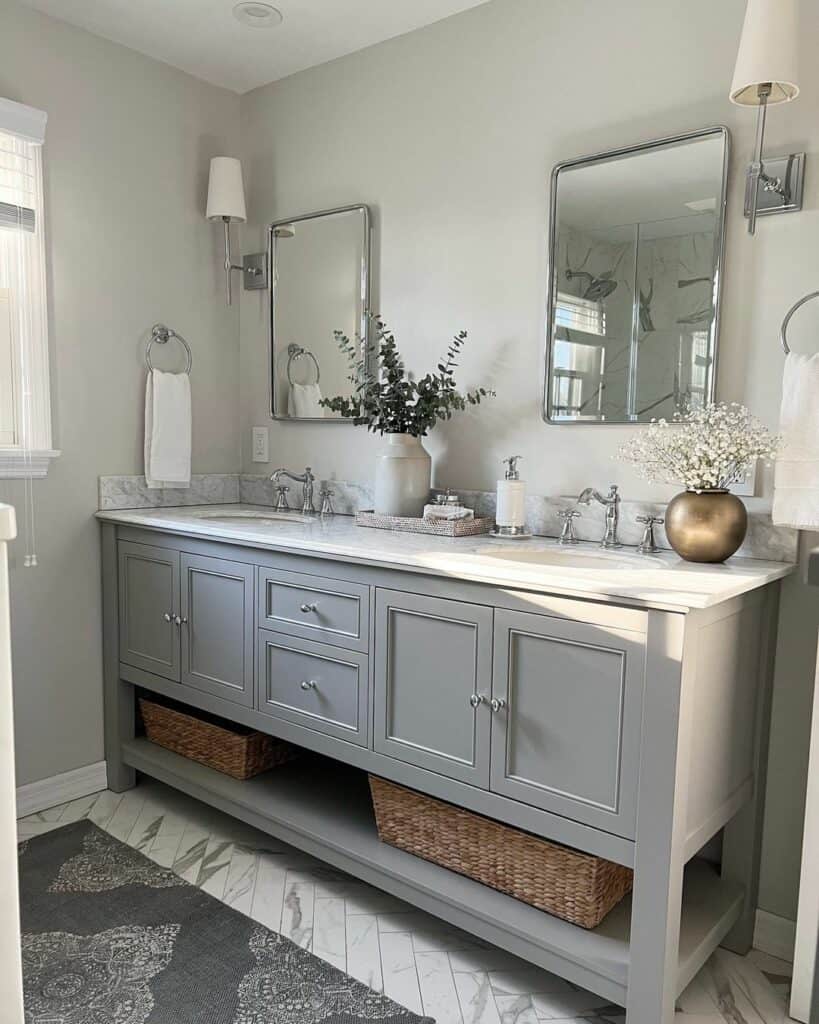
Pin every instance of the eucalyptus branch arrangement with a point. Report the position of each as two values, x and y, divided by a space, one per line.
387 399
710 449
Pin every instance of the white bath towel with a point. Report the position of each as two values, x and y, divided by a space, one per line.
168 429
796 480
303 402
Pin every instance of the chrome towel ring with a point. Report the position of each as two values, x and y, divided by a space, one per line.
160 335
297 352
783 334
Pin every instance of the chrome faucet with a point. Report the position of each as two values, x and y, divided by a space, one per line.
611 503
306 479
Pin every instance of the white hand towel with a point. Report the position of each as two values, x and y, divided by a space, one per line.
303 402
168 429
796 479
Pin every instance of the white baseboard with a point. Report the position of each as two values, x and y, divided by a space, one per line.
59 789
775 935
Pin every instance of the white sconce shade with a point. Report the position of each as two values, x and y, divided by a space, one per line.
226 193
767 53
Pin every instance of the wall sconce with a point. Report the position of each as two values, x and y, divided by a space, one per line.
226 202
766 73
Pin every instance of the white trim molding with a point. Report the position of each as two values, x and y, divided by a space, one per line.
59 789
775 935
20 465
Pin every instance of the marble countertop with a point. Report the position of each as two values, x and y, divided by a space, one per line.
656 581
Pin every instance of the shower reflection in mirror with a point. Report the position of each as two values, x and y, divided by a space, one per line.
636 239
320 267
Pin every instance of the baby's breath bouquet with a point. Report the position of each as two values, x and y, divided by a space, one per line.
710 449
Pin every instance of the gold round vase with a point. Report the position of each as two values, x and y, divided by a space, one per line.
705 526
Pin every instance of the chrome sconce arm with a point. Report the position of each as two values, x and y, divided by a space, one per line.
254 267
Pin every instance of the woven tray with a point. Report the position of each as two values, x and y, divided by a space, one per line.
229 748
577 887
439 528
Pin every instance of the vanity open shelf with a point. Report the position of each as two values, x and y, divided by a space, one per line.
299 804
632 728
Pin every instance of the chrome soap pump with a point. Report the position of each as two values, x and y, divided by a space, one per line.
510 513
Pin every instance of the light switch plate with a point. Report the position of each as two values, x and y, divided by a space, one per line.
261 444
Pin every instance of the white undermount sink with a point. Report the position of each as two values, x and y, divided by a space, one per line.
254 518
573 558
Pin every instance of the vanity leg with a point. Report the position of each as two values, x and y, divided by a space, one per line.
742 837
118 696
661 824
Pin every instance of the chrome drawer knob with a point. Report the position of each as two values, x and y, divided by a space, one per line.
308 684
476 700
179 620
307 608
168 617
497 704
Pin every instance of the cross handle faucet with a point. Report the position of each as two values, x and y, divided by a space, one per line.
307 480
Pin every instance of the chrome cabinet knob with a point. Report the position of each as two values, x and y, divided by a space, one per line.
476 700
308 684
180 620
497 704
168 617
307 608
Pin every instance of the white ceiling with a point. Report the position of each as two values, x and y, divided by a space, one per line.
203 37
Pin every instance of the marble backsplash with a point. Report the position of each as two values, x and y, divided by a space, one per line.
764 539
118 492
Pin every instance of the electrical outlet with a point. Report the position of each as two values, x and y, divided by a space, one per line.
747 487
261 444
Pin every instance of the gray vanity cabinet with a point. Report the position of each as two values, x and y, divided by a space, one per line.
566 737
188 618
217 627
148 604
433 671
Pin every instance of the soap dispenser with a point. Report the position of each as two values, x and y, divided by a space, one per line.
510 514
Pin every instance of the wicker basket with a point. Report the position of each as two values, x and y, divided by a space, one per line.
578 887
229 748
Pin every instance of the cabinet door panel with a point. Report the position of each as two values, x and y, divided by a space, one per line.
148 592
217 636
432 656
313 685
568 739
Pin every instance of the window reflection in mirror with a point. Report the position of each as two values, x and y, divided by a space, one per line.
636 241
320 275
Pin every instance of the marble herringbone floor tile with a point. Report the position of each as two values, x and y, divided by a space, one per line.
420 961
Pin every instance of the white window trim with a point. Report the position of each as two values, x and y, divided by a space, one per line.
30 124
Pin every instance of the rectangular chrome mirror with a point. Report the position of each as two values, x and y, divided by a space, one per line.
320 283
636 239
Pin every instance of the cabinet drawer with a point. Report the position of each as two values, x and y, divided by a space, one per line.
330 611
313 685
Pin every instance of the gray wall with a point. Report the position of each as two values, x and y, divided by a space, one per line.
126 161
450 134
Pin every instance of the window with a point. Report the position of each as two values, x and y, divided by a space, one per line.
578 314
25 406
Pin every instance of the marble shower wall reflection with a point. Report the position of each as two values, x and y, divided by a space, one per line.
633 319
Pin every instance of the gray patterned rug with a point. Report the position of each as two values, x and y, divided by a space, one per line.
111 938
